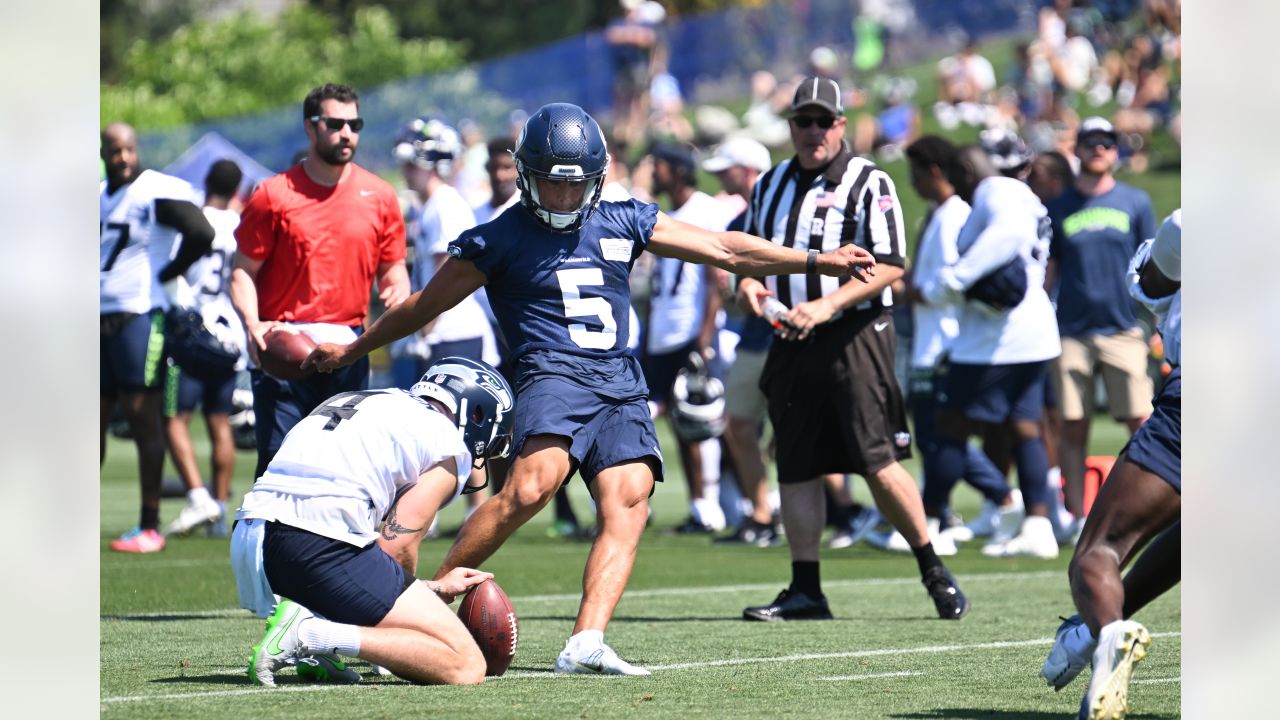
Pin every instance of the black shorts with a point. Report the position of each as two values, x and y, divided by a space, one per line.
834 399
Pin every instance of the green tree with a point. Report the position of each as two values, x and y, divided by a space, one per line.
244 63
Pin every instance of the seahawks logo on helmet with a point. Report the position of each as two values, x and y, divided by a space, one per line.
481 402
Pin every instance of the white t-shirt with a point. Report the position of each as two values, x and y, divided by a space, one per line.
485 212
341 467
680 288
446 215
134 248
935 326
1007 219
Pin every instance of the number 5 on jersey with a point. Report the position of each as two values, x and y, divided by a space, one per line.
571 282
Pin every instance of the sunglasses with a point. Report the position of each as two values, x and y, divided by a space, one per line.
1103 141
336 124
804 122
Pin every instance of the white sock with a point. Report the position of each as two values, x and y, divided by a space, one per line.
326 636
586 638
198 495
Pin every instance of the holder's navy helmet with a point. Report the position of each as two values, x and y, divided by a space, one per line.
479 398
562 143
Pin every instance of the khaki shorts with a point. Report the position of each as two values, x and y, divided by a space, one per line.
743 397
1122 358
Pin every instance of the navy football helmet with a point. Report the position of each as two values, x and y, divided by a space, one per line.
430 143
1007 151
480 399
562 143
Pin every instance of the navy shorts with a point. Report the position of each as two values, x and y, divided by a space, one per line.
600 405
996 393
660 370
131 352
183 392
1157 446
336 580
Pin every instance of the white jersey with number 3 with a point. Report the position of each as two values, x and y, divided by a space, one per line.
340 469
134 247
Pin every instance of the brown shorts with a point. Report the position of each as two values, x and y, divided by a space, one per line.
834 400
1121 357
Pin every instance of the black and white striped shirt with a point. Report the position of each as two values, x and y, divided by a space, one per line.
852 201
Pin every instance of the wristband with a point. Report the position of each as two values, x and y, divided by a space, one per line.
811 265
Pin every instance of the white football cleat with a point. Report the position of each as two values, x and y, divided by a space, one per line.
1035 540
1072 650
597 660
1123 644
193 516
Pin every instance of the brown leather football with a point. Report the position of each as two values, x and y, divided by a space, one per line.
491 620
286 349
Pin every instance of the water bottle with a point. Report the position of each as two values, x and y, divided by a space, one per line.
775 312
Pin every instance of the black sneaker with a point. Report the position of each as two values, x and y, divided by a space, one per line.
692 526
752 533
790 605
947 598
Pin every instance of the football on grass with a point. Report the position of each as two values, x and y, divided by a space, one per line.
286 349
491 620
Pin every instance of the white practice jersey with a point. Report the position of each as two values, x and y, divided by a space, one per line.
134 247
208 281
445 216
936 326
1007 219
340 469
1168 309
680 288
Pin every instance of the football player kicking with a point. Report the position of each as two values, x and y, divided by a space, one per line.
556 272
308 530
1141 499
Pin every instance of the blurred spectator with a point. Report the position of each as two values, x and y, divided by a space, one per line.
965 83
683 320
1050 176
633 42
895 126
667 123
763 119
469 174
501 167
1098 224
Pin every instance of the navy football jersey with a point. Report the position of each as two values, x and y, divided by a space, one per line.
562 291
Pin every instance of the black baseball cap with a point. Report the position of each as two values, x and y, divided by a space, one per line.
678 156
818 92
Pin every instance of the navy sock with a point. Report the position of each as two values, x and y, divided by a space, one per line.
1033 471
806 579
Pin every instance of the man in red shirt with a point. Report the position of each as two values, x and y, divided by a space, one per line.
311 241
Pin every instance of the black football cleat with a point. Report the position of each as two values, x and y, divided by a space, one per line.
790 605
947 598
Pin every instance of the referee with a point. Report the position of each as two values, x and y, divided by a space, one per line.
834 401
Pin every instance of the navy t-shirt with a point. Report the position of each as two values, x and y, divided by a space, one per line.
561 291
1093 240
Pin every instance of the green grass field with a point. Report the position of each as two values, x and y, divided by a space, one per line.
173 643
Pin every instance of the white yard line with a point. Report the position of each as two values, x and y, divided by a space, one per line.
873 676
653 592
526 675
1155 681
